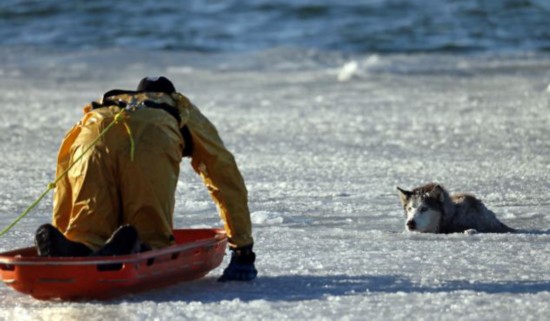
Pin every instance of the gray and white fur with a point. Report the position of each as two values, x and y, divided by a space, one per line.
430 209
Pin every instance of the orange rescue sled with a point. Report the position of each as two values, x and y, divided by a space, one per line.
196 252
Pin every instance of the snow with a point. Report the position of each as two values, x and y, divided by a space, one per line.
322 158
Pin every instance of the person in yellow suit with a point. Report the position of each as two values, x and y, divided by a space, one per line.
118 198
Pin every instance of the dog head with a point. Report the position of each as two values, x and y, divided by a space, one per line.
423 207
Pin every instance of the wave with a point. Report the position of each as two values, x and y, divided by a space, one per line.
384 26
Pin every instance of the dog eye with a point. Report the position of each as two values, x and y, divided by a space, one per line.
423 209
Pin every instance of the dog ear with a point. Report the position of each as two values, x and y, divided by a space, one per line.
438 193
403 195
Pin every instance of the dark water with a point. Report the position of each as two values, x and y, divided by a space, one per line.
229 26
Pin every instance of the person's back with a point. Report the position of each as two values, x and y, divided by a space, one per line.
129 177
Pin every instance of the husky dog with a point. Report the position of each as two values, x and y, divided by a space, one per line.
430 209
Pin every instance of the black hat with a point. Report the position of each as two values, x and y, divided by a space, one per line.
156 84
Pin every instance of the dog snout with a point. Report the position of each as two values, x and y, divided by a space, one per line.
411 225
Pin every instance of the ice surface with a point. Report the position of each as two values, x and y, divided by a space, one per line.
321 158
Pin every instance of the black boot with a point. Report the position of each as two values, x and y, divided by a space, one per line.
241 267
123 241
50 242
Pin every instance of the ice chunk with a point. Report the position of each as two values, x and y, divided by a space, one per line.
266 218
348 71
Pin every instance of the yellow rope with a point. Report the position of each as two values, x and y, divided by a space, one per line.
51 185
132 143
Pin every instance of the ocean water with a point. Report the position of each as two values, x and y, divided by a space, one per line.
323 128
222 26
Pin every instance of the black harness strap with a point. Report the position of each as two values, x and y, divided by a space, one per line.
185 132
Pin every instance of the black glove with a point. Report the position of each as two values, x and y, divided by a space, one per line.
241 267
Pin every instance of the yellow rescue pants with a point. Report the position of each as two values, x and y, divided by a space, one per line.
107 188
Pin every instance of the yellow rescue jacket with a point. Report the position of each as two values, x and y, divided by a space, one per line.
151 120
